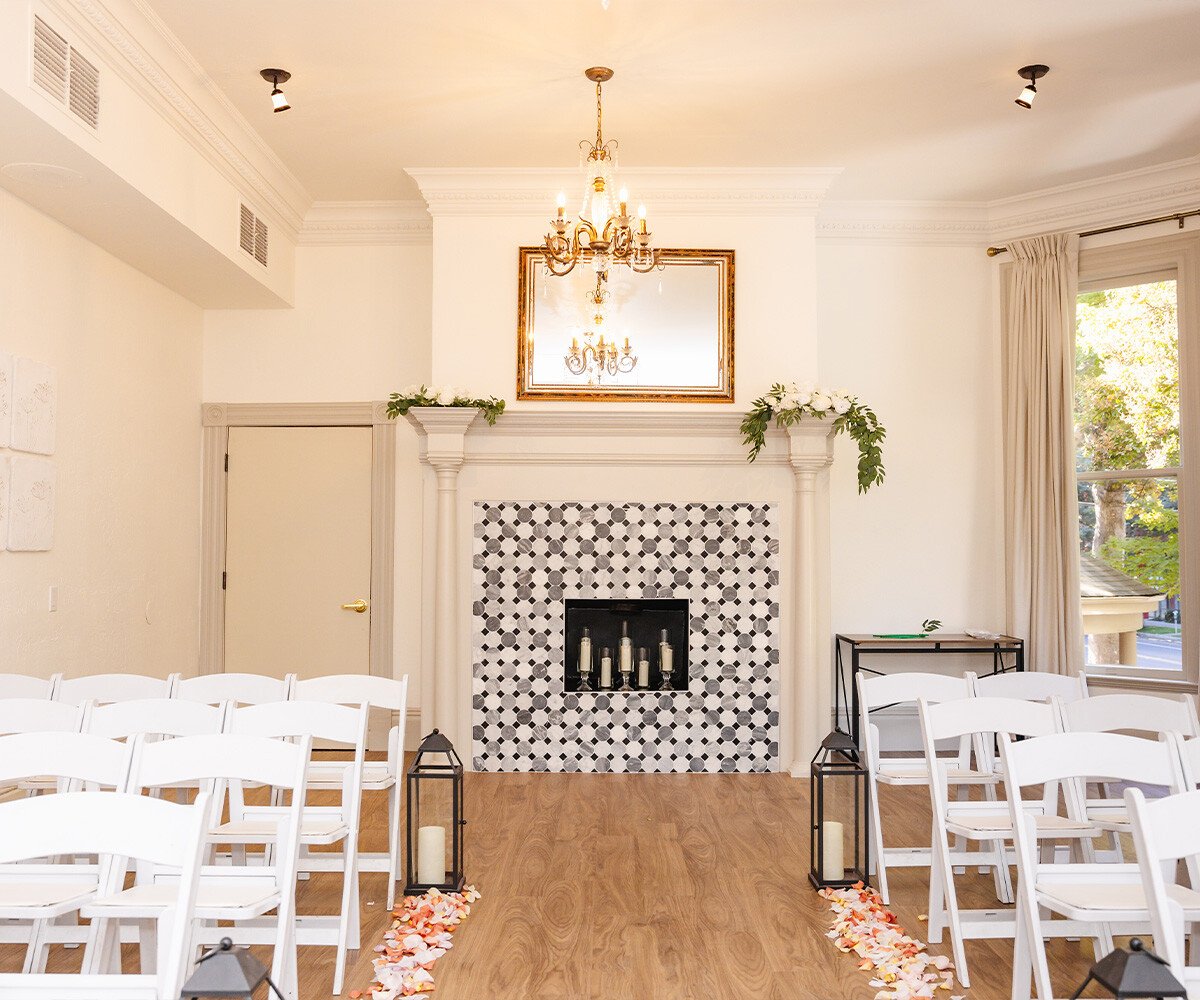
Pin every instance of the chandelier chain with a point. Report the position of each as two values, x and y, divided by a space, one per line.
599 120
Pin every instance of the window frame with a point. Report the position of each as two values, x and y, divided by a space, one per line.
1162 258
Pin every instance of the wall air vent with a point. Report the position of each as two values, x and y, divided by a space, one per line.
63 72
252 236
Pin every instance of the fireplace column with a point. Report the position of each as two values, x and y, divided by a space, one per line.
810 452
444 429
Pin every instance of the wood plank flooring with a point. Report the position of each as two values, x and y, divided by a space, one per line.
656 887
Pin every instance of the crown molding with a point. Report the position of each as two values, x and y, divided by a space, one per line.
367 223
139 47
667 191
905 222
1113 200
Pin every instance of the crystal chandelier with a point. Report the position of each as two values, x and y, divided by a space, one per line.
599 357
602 235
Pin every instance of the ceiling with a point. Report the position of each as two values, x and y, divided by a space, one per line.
913 98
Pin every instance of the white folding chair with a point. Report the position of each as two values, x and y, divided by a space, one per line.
1151 715
985 821
117 827
884 691
380 693
241 894
1165 832
240 689
1031 685
24 686
1094 900
43 893
320 825
38 715
107 688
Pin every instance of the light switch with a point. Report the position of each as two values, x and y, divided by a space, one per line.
52 600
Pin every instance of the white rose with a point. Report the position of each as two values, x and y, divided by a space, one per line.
446 395
840 404
410 391
820 401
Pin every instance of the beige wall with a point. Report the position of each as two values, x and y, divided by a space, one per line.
126 549
359 331
911 329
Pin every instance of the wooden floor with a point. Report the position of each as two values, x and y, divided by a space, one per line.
659 887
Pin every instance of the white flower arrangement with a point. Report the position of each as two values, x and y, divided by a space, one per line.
787 403
399 403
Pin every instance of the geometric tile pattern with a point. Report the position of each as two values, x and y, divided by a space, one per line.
528 558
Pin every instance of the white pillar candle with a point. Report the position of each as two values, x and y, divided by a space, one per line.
833 867
643 673
585 656
431 855
626 656
606 671
668 657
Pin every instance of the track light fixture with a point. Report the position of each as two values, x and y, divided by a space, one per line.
1030 73
275 77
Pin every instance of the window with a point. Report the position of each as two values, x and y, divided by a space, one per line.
1132 412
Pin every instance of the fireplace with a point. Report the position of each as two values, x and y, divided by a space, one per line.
656 629
706 572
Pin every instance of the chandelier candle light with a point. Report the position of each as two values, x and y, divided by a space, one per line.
604 233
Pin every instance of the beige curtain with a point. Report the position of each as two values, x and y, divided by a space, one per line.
1042 534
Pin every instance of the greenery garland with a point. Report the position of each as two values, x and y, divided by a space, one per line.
399 403
788 404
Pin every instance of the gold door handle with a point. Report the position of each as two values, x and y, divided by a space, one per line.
360 606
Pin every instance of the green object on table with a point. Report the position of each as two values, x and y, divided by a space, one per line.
899 635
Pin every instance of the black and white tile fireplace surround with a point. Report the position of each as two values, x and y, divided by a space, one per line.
521 517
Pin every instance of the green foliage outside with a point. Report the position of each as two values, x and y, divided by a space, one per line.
1127 417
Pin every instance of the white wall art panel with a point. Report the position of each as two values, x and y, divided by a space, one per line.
34 406
5 491
6 387
31 511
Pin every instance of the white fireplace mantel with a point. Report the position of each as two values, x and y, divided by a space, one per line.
452 441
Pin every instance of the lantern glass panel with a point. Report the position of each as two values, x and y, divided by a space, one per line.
839 808
434 828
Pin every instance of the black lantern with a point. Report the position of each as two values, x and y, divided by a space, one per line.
839 800
434 818
1136 974
227 972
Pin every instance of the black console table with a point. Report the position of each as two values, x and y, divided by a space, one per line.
1002 650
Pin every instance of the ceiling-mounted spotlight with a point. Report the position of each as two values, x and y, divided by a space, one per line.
275 77
1032 74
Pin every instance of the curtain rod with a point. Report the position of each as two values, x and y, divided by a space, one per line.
1177 216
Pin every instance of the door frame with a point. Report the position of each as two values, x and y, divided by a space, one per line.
216 419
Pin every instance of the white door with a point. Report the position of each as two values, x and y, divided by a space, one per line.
298 550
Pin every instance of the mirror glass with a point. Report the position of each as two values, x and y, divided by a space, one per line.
666 335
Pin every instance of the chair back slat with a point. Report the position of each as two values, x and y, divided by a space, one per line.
224 756
1091 756
239 688
71 757
155 717
1029 685
890 689
25 686
355 689
106 688
36 715
320 720
1141 712
973 716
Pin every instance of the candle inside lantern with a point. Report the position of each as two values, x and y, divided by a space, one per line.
833 866
605 668
585 649
431 855
643 671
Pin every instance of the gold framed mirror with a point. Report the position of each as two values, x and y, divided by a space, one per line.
665 336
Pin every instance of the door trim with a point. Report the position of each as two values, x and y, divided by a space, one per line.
216 419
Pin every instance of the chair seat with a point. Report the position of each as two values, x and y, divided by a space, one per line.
220 896
1113 896
1114 817
376 775
1001 823
44 894
918 774
316 830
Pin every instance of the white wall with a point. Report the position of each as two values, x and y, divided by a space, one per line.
126 549
359 331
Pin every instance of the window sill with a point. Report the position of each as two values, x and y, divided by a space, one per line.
1147 685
